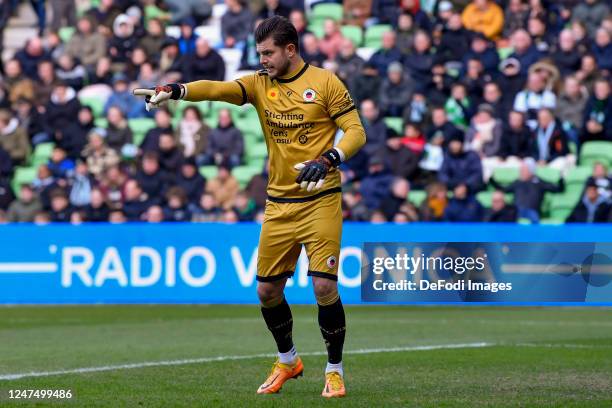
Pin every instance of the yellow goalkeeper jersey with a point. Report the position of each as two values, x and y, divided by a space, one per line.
299 114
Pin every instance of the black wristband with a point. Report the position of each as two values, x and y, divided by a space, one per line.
333 157
177 91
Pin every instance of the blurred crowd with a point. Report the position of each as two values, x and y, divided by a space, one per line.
451 92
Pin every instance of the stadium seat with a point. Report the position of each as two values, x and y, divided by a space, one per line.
485 198
316 29
66 33
395 123
353 33
42 153
244 173
505 175
96 105
209 172
322 12
596 151
256 151
551 221
576 178
416 197
139 127
562 204
548 174
373 35
23 175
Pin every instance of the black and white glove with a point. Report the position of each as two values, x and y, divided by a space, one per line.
159 96
313 172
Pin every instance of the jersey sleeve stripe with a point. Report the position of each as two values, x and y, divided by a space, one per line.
337 115
244 94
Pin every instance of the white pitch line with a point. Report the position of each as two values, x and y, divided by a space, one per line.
231 358
28 267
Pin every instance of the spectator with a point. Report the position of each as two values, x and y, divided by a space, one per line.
492 95
123 98
435 203
176 209
188 37
375 128
205 63
200 11
170 155
402 161
102 74
154 39
310 51
73 138
122 42
135 202
118 133
552 143
13 139
602 50
349 63
536 26
592 208
533 98
44 183
500 211
80 186
224 187
250 57
190 180
387 54
298 20
62 109
366 85
461 167
458 106
524 51
570 107
484 137
405 33
274 8
163 124
6 164
396 91
99 156
226 143
529 192
515 17
192 133
377 184
354 208
155 214
170 61
236 24
485 17
421 59
117 216
31 55
566 55
70 72
463 207
113 186
86 43
61 210
597 119
97 210
397 197
441 130
256 187
413 138
474 80
25 208
151 178
46 82
590 13
105 13
244 207
60 165
517 140
454 41
332 39
207 210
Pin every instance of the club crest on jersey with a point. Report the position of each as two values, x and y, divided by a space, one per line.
273 94
331 262
309 95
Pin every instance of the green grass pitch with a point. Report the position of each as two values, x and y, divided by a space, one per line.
487 357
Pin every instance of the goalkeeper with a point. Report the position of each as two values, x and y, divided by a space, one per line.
300 108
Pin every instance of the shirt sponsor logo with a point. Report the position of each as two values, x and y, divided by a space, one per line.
273 94
309 95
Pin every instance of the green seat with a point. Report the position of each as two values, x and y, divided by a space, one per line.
353 33
23 175
139 127
322 12
506 175
66 33
548 174
209 172
179 107
552 221
101 123
244 174
396 124
524 221
485 198
596 151
42 153
374 34
578 175
417 197
96 104
562 204
256 151
317 29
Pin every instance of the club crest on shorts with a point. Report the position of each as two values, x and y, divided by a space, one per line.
331 262
309 95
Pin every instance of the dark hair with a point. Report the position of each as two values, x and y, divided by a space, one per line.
280 29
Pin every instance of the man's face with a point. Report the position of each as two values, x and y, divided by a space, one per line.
369 111
491 93
273 58
498 201
592 193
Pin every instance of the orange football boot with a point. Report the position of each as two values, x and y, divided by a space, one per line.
334 385
280 374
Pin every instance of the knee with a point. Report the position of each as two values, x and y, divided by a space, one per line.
326 291
269 295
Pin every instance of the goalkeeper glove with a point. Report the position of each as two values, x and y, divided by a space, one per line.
313 172
159 96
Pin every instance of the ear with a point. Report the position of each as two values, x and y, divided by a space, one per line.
291 50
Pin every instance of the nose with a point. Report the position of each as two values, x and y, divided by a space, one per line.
263 60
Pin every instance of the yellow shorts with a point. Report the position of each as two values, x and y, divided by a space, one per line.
317 224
